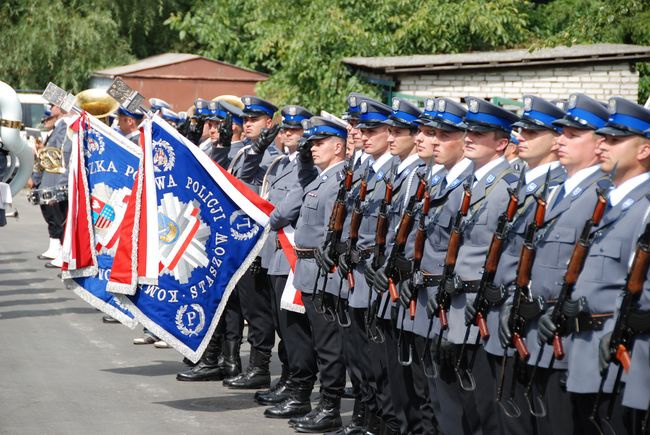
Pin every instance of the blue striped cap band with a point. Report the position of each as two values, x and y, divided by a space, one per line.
628 122
487 119
259 108
328 131
590 118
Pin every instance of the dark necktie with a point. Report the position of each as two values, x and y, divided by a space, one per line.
560 196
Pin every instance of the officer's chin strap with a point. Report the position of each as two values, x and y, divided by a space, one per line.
509 407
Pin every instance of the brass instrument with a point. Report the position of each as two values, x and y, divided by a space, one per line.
49 159
96 102
231 99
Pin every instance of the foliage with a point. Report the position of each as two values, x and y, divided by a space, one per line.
64 41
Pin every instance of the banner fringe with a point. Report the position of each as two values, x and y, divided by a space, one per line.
102 306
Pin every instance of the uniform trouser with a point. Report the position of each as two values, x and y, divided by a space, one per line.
255 300
385 365
519 371
560 415
55 215
485 392
277 287
327 342
356 349
414 391
621 421
231 324
458 412
295 333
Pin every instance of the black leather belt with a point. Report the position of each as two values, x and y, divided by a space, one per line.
469 287
357 255
590 322
431 280
305 253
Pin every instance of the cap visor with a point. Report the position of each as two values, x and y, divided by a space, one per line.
290 125
613 131
395 123
440 125
563 122
472 126
254 113
369 125
526 125
318 136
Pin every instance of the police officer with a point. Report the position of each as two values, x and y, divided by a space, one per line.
537 145
55 213
128 122
328 151
279 186
613 241
404 384
569 206
225 127
488 134
254 288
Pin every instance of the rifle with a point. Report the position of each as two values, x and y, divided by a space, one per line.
624 332
447 285
482 303
517 319
379 253
333 235
355 223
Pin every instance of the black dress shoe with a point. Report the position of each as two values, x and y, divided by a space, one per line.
357 425
275 395
43 257
325 417
297 405
52 266
109 319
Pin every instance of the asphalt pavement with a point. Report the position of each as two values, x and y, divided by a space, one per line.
63 371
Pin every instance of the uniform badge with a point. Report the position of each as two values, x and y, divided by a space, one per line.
292 110
428 105
247 101
473 106
528 104
212 106
364 107
395 104
531 187
442 105
324 177
435 180
379 175
573 101
490 179
627 203
312 194
352 101
611 106
577 191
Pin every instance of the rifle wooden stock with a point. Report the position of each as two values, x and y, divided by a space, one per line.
638 272
442 314
355 224
526 260
482 326
576 263
558 349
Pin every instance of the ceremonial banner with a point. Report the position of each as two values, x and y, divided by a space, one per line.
291 297
208 226
101 175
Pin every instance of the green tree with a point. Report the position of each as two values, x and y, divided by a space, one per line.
64 41
302 43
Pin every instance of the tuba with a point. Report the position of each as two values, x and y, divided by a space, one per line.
21 154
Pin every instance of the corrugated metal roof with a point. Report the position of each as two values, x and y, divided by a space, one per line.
504 58
158 61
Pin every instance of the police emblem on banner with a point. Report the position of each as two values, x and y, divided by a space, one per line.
163 156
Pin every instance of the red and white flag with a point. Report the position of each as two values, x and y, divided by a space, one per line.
291 297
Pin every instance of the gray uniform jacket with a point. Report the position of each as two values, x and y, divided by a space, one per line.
254 166
489 199
637 394
367 230
57 139
223 156
439 223
285 192
555 242
600 283
318 200
507 268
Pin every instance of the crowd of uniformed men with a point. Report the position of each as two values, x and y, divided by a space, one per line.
390 302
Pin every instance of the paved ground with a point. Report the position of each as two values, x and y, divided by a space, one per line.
62 371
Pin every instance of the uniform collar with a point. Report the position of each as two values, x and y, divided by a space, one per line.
485 169
620 192
293 156
407 162
535 173
457 169
577 178
379 163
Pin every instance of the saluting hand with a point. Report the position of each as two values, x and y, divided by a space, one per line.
265 139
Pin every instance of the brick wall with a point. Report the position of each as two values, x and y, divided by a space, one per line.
598 81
